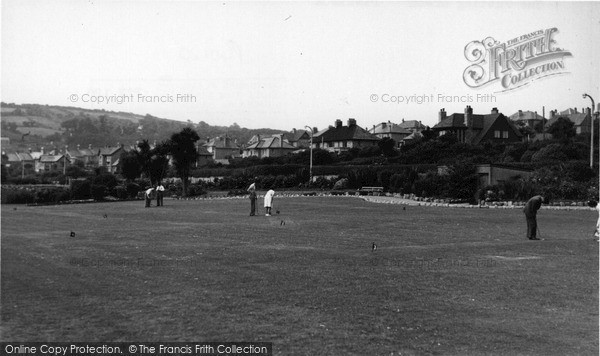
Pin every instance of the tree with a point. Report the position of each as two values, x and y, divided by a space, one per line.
130 166
563 129
387 146
182 147
153 161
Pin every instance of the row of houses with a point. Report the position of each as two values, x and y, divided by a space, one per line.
467 127
59 159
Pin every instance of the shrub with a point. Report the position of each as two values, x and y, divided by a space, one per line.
81 189
132 189
17 196
98 191
120 192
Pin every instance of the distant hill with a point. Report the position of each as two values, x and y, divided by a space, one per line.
34 126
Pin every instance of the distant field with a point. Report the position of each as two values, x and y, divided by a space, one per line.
442 280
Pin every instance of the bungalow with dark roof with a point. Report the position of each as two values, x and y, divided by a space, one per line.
581 120
108 157
274 146
475 129
340 138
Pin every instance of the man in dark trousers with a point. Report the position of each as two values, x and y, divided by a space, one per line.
252 191
533 205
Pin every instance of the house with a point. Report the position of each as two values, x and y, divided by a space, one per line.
528 118
581 120
20 159
204 157
274 146
298 138
475 129
87 156
223 148
108 157
391 130
340 138
412 125
50 163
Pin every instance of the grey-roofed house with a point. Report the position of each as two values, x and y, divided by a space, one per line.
274 146
20 159
50 163
341 138
412 125
223 148
391 130
581 120
475 129
528 118
108 157
88 155
298 138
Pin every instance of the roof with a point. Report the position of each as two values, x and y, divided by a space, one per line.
271 142
202 151
482 123
525 116
389 127
19 156
411 124
576 118
295 136
222 142
345 133
49 158
108 151
413 136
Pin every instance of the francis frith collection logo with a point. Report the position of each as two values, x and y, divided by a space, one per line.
514 63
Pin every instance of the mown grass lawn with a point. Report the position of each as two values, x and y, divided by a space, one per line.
442 280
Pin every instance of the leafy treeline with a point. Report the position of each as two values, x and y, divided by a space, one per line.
84 127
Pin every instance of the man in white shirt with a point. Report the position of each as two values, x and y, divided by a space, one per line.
148 195
159 194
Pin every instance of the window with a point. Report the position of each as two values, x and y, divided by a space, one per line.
497 134
504 134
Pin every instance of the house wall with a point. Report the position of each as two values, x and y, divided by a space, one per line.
501 125
492 175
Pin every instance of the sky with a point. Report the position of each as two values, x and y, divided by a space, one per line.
285 65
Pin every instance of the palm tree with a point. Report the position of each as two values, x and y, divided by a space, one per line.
182 147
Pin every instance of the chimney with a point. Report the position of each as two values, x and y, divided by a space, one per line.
402 120
588 112
42 150
338 123
351 122
468 117
575 110
280 140
315 130
441 115
294 130
29 149
494 110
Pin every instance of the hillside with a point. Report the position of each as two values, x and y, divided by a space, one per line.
32 125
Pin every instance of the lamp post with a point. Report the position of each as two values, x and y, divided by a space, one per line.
311 149
591 133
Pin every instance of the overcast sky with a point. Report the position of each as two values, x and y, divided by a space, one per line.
288 64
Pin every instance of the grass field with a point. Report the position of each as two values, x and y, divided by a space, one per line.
442 280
